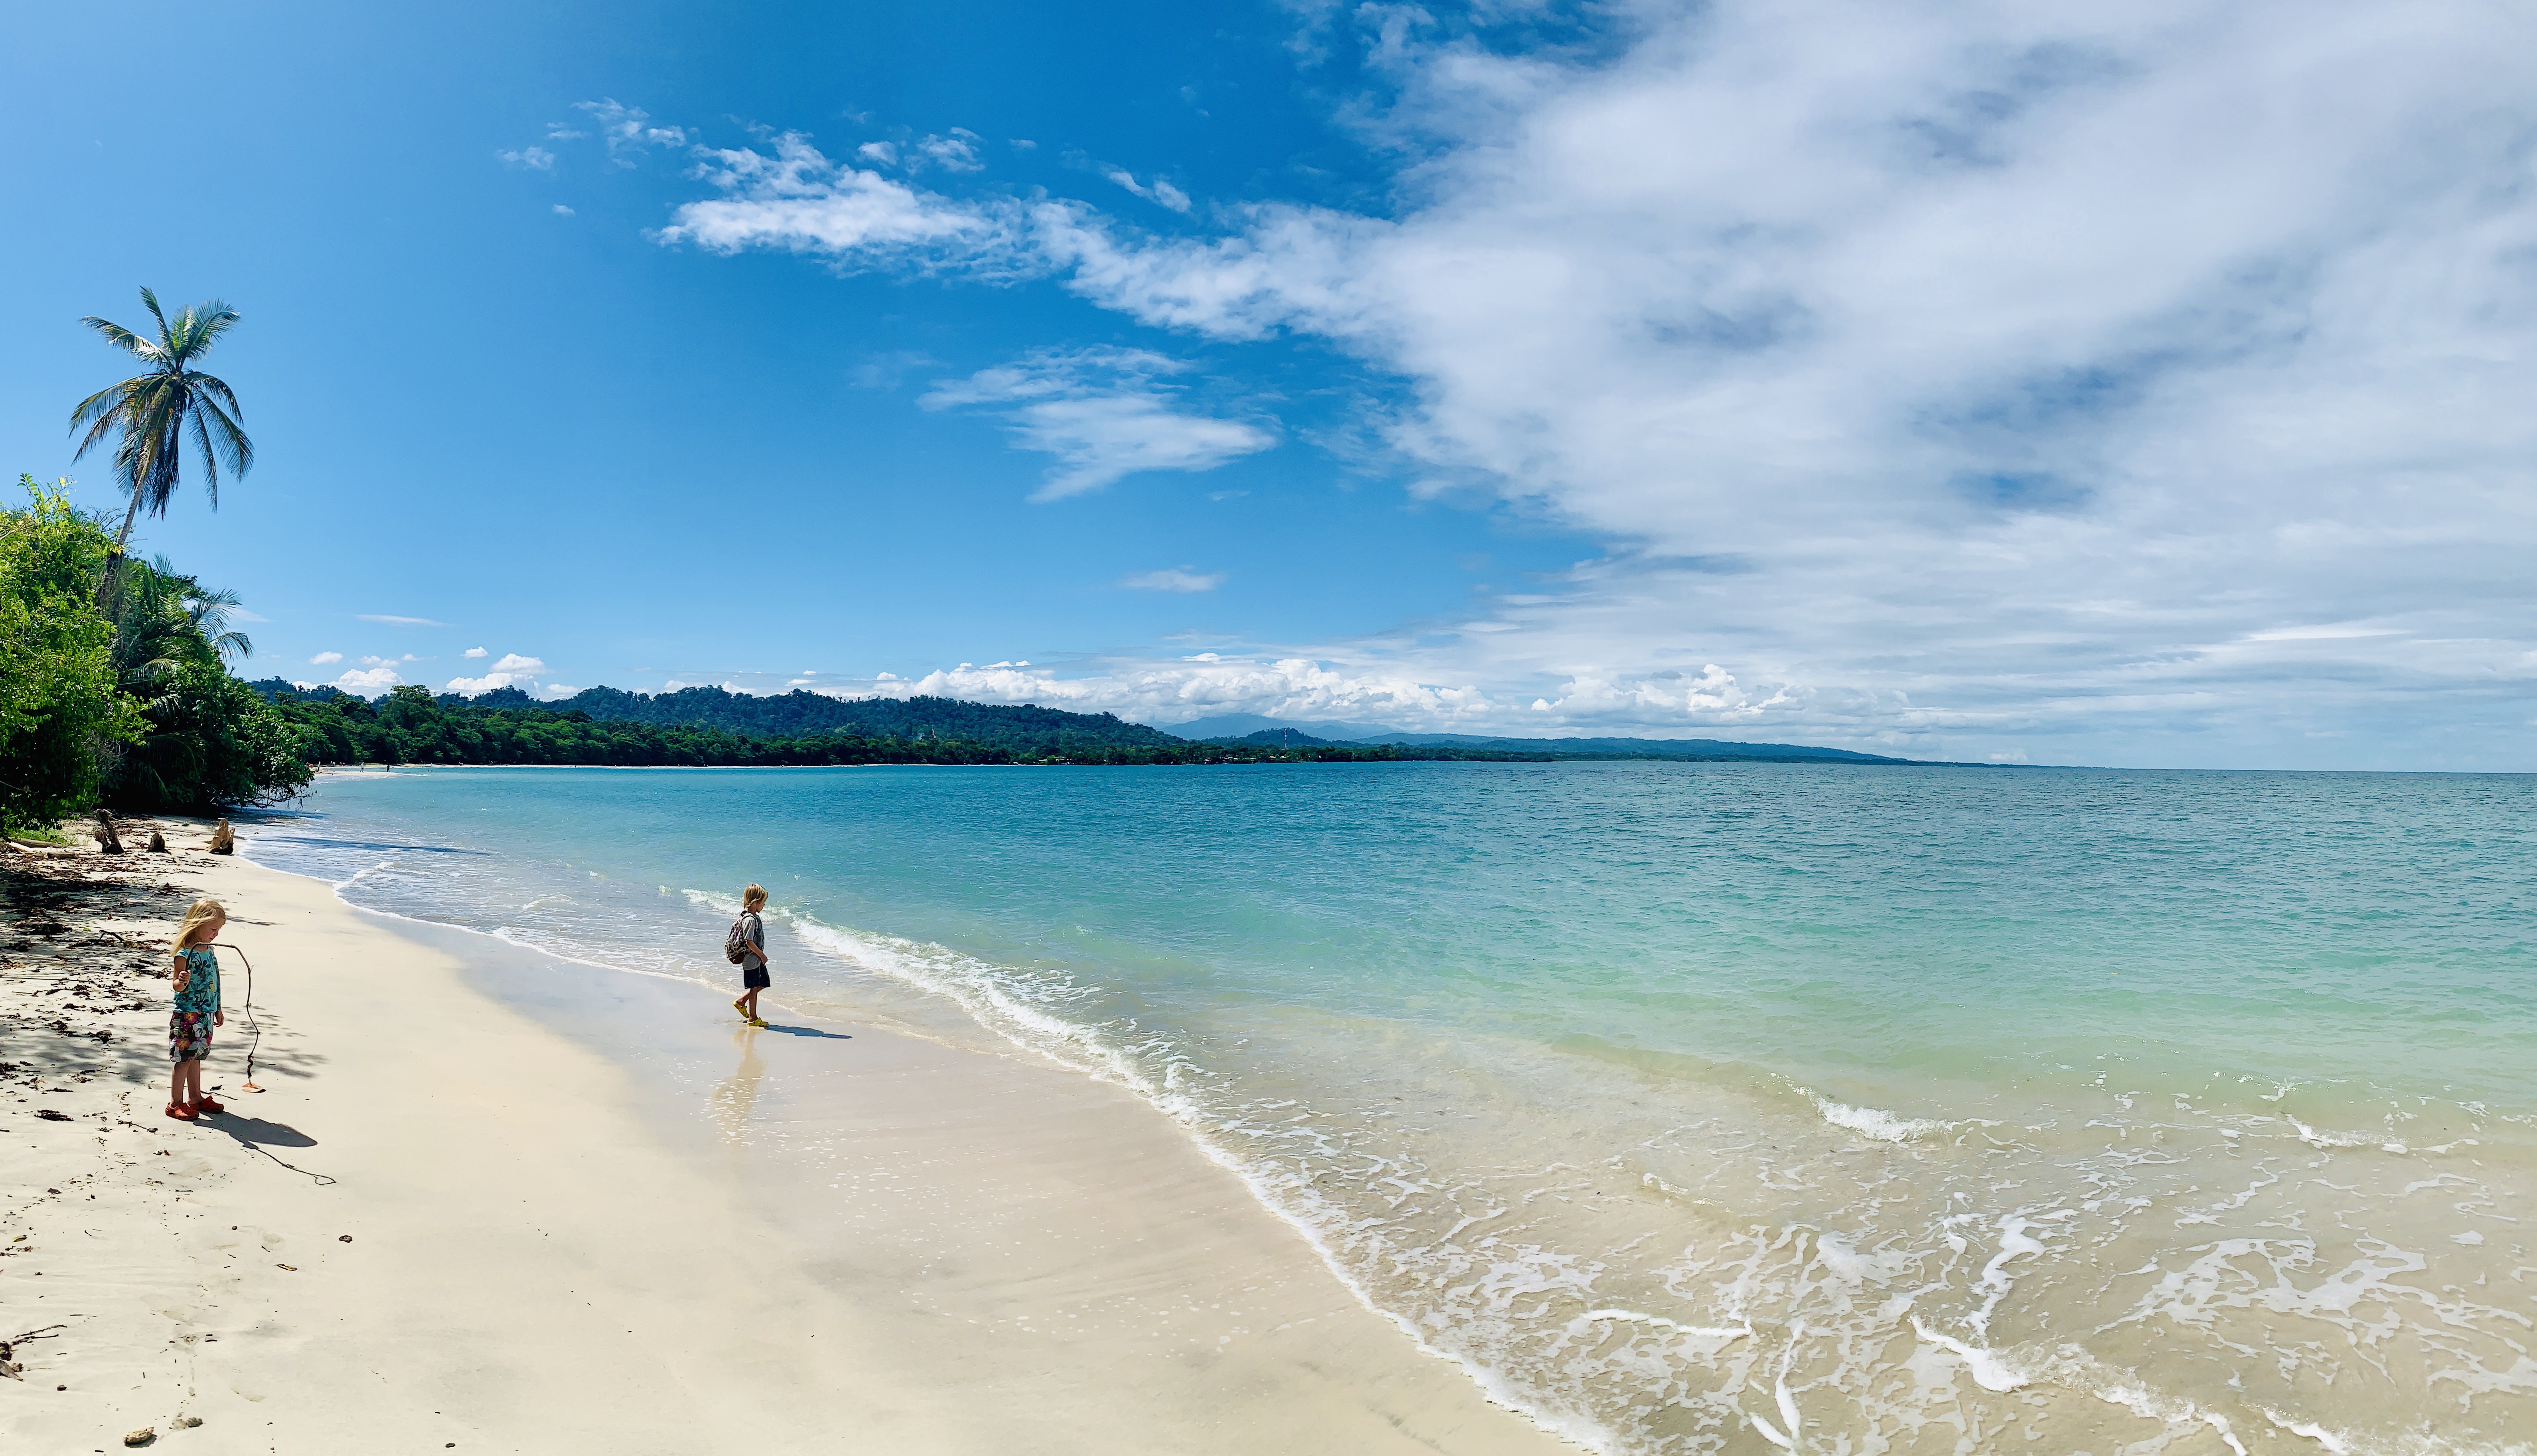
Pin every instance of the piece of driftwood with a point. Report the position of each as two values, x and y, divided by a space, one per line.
223 842
106 843
158 843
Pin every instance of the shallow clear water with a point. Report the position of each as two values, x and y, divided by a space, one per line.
1697 1107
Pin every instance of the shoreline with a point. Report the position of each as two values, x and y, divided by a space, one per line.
495 1167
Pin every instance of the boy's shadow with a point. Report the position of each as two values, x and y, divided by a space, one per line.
811 1031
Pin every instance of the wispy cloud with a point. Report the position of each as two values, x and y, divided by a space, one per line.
395 621
534 159
473 652
956 153
562 211
1173 579
798 199
325 659
628 130
1104 414
1161 193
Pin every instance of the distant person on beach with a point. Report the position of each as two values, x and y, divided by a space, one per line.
751 933
197 974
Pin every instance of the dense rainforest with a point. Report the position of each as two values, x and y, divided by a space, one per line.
413 725
114 680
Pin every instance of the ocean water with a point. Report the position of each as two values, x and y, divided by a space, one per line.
1695 1107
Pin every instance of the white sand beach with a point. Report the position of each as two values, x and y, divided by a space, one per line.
452 1223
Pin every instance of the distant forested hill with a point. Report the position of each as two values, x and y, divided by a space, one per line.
800 714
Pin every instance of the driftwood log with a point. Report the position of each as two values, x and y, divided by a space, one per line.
223 842
106 843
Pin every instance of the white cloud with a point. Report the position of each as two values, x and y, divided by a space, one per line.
511 669
628 130
473 652
1173 579
562 211
956 153
1104 414
1958 378
368 681
884 152
534 159
399 621
325 659
1161 193
798 200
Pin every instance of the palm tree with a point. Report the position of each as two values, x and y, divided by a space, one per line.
156 409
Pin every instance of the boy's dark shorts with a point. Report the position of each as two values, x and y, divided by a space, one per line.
754 978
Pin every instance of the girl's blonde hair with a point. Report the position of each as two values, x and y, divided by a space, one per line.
752 897
202 913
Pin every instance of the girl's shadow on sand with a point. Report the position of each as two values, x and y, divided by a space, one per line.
259 1136
255 1132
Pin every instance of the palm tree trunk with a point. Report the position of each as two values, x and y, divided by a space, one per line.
114 560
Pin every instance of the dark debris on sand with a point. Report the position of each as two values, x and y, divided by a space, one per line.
68 977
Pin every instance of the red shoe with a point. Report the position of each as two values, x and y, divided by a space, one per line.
206 1105
180 1111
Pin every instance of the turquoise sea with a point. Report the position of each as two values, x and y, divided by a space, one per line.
1695 1108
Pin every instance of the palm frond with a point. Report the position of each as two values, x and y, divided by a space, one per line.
217 390
207 321
211 397
154 411
121 338
102 411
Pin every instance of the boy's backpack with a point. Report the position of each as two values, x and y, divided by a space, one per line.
735 946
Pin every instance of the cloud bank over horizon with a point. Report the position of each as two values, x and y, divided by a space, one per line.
1974 378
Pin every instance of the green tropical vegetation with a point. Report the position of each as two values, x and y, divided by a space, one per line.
118 691
411 725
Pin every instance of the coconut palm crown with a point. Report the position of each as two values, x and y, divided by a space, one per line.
157 410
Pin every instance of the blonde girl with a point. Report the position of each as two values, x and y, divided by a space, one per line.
753 961
197 975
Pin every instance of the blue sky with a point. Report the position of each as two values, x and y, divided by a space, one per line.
2023 382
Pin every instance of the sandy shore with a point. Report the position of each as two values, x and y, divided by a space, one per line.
494 1202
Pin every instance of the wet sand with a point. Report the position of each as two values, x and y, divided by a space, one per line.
587 1212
